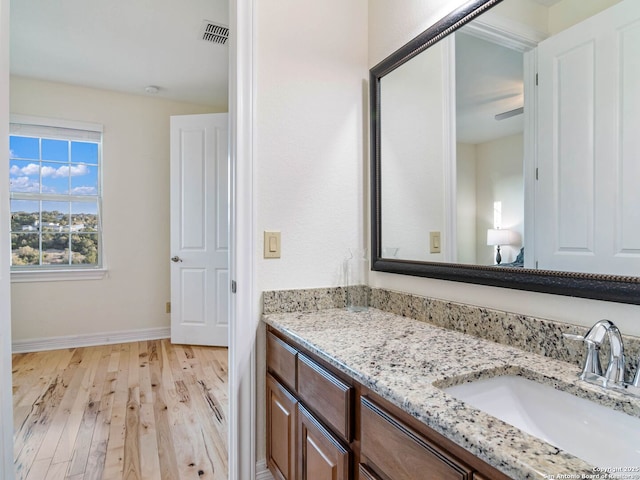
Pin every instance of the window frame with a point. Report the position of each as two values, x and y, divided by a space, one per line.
61 272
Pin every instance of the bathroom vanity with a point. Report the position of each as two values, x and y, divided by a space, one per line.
389 441
361 396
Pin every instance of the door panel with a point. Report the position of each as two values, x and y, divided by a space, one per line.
586 212
320 455
199 229
281 430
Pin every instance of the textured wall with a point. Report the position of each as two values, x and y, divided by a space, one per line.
311 69
135 215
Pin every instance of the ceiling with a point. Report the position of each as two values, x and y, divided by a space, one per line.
124 45
547 3
489 81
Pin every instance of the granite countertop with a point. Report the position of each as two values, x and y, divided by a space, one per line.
401 359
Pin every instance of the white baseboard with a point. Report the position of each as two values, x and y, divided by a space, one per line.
262 471
89 340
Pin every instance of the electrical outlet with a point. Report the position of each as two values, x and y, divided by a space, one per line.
168 307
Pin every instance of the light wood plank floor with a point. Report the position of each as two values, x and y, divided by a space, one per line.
141 410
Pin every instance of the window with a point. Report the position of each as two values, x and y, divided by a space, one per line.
55 188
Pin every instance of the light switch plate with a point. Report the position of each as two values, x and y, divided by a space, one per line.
434 242
271 244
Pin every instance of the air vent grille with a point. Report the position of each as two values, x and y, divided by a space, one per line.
214 33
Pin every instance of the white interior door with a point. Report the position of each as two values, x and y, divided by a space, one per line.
200 284
587 198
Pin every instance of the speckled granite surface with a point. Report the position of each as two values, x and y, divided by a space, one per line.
533 335
303 300
401 359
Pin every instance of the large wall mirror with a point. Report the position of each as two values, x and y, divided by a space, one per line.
505 146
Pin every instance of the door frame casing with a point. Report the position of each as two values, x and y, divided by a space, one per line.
6 404
244 305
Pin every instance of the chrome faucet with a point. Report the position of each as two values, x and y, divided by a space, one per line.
613 377
615 370
636 377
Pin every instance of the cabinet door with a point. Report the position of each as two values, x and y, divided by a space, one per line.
366 474
281 431
321 456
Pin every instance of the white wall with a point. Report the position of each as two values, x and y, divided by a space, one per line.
466 203
393 23
389 28
499 169
488 172
135 215
569 12
311 103
311 157
412 152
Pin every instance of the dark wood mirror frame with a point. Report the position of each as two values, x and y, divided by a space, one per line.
595 286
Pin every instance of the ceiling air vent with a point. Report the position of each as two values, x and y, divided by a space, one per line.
214 33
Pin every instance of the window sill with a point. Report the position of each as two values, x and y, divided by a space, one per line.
57 275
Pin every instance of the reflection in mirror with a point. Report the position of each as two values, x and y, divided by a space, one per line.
489 148
522 120
411 145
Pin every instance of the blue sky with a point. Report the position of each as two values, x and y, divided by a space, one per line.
53 166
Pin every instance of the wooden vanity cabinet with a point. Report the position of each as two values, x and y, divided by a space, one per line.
323 425
309 417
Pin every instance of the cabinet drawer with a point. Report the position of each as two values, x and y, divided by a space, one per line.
281 360
327 395
401 453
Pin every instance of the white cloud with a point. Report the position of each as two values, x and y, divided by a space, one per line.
76 171
48 171
24 184
31 169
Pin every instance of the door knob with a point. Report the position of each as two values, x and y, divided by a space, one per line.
176 259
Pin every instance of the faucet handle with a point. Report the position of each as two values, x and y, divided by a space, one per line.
573 336
636 377
592 368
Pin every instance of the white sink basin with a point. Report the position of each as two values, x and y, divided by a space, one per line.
597 434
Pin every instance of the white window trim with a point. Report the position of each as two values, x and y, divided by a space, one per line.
69 273
55 122
25 276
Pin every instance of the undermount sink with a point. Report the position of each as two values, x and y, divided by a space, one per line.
599 435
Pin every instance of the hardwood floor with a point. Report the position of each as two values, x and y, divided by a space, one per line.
142 410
